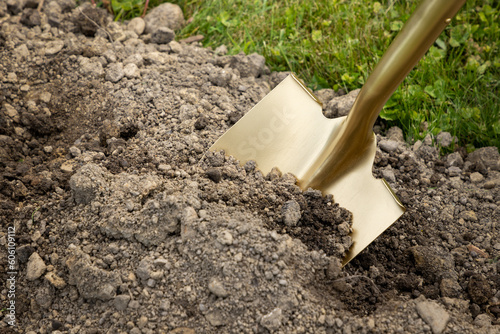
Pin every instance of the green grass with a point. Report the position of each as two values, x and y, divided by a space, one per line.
336 44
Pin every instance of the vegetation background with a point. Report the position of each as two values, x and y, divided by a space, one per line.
336 44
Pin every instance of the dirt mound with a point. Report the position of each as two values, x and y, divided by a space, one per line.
125 224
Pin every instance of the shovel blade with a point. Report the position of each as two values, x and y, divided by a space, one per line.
287 129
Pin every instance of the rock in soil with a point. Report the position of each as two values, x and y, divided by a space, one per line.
124 223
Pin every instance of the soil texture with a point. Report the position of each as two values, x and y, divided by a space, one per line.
123 222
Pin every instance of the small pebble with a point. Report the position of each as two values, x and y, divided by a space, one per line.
216 287
35 268
272 321
388 145
434 315
291 213
121 302
225 238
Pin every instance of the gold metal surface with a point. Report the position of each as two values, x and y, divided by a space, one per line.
288 130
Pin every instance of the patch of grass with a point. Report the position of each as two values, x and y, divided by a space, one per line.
336 44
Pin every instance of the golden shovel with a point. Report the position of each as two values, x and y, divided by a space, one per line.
287 129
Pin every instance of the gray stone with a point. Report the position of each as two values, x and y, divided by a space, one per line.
396 134
276 77
15 6
450 288
175 47
221 50
165 305
131 71
144 269
252 65
35 268
454 160
427 152
162 35
469 215
340 106
55 280
272 321
67 167
454 171
291 213
165 15
31 17
137 25
188 220
85 183
334 269
485 157
110 56
388 175
325 95
388 145
220 78
92 283
135 59
142 322
44 296
134 304
216 318
45 97
11 77
483 320
21 53
75 151
491 184
434 315
11 112
91 67
53 47
225 237
427 140
121 302
434 263
216 287
444 139
114 72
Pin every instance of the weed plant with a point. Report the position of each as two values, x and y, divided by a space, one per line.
336 44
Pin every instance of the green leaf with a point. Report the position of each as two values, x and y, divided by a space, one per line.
430 91
496 128
396 25
441 44
316 35
319 82
436 54
347 78
377 7
481 69
482 17
454 43
389 114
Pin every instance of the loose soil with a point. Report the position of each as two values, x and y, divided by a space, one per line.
124 223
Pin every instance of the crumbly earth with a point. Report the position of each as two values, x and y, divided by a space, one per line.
124 223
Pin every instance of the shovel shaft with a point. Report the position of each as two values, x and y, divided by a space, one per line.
350 144
416 37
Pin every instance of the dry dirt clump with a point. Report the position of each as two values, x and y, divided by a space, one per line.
124 223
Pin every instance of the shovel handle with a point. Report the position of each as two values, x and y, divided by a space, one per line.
355 138
418 34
